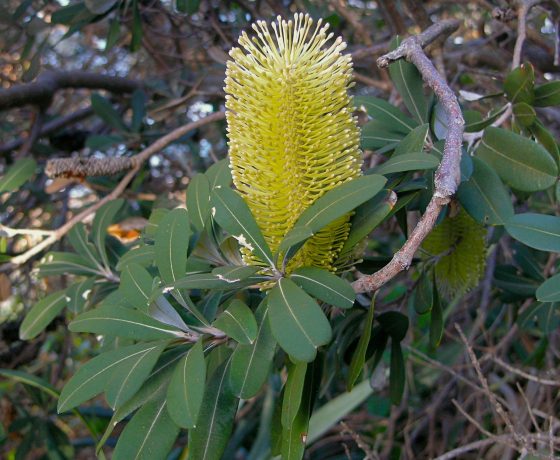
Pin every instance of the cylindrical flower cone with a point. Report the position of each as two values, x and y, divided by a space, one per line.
292 134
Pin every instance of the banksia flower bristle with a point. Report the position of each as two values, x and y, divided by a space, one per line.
459 245
292 135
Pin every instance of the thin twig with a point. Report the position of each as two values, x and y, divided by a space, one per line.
34 134
138 160
50 127
534 378
447 176
475 423
523 10
370 455
504 439
491 396
528 407
11 232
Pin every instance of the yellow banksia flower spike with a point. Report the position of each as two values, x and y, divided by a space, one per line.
292 134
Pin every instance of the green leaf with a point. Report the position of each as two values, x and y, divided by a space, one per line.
234 273
537 231
198 201
17 175
92 377
394 323
519 84
137 32
423 294
79 240
142 255
153 389
436 320
297 322
219 174
172 244
104 110
367 217
103 218
149 435
547 94
67 14
163 311
138 102
31 380
525 115
359 356
234 216
103 141
515 284
325 286
187 6
238 322
78 294
186 388
542 316
328 415
379 109
100 6
484 196
41 315
293 392
155 219
208 440
439 121
549 291
181 6
122 322
407 162
520 162
397 378
212 281
410 86
546 139
414 141
250 364
136 286
113 34
63 263
128 377
376 135
294 437
474 121
292 241
339 201
467 166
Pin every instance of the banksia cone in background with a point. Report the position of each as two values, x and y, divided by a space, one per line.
292 135
459 247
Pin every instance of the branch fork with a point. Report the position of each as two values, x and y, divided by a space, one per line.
448 174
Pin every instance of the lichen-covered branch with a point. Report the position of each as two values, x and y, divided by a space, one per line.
448 174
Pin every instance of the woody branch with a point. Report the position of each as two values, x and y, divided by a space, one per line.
448 174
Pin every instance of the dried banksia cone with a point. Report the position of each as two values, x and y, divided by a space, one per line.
292 135
459 245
